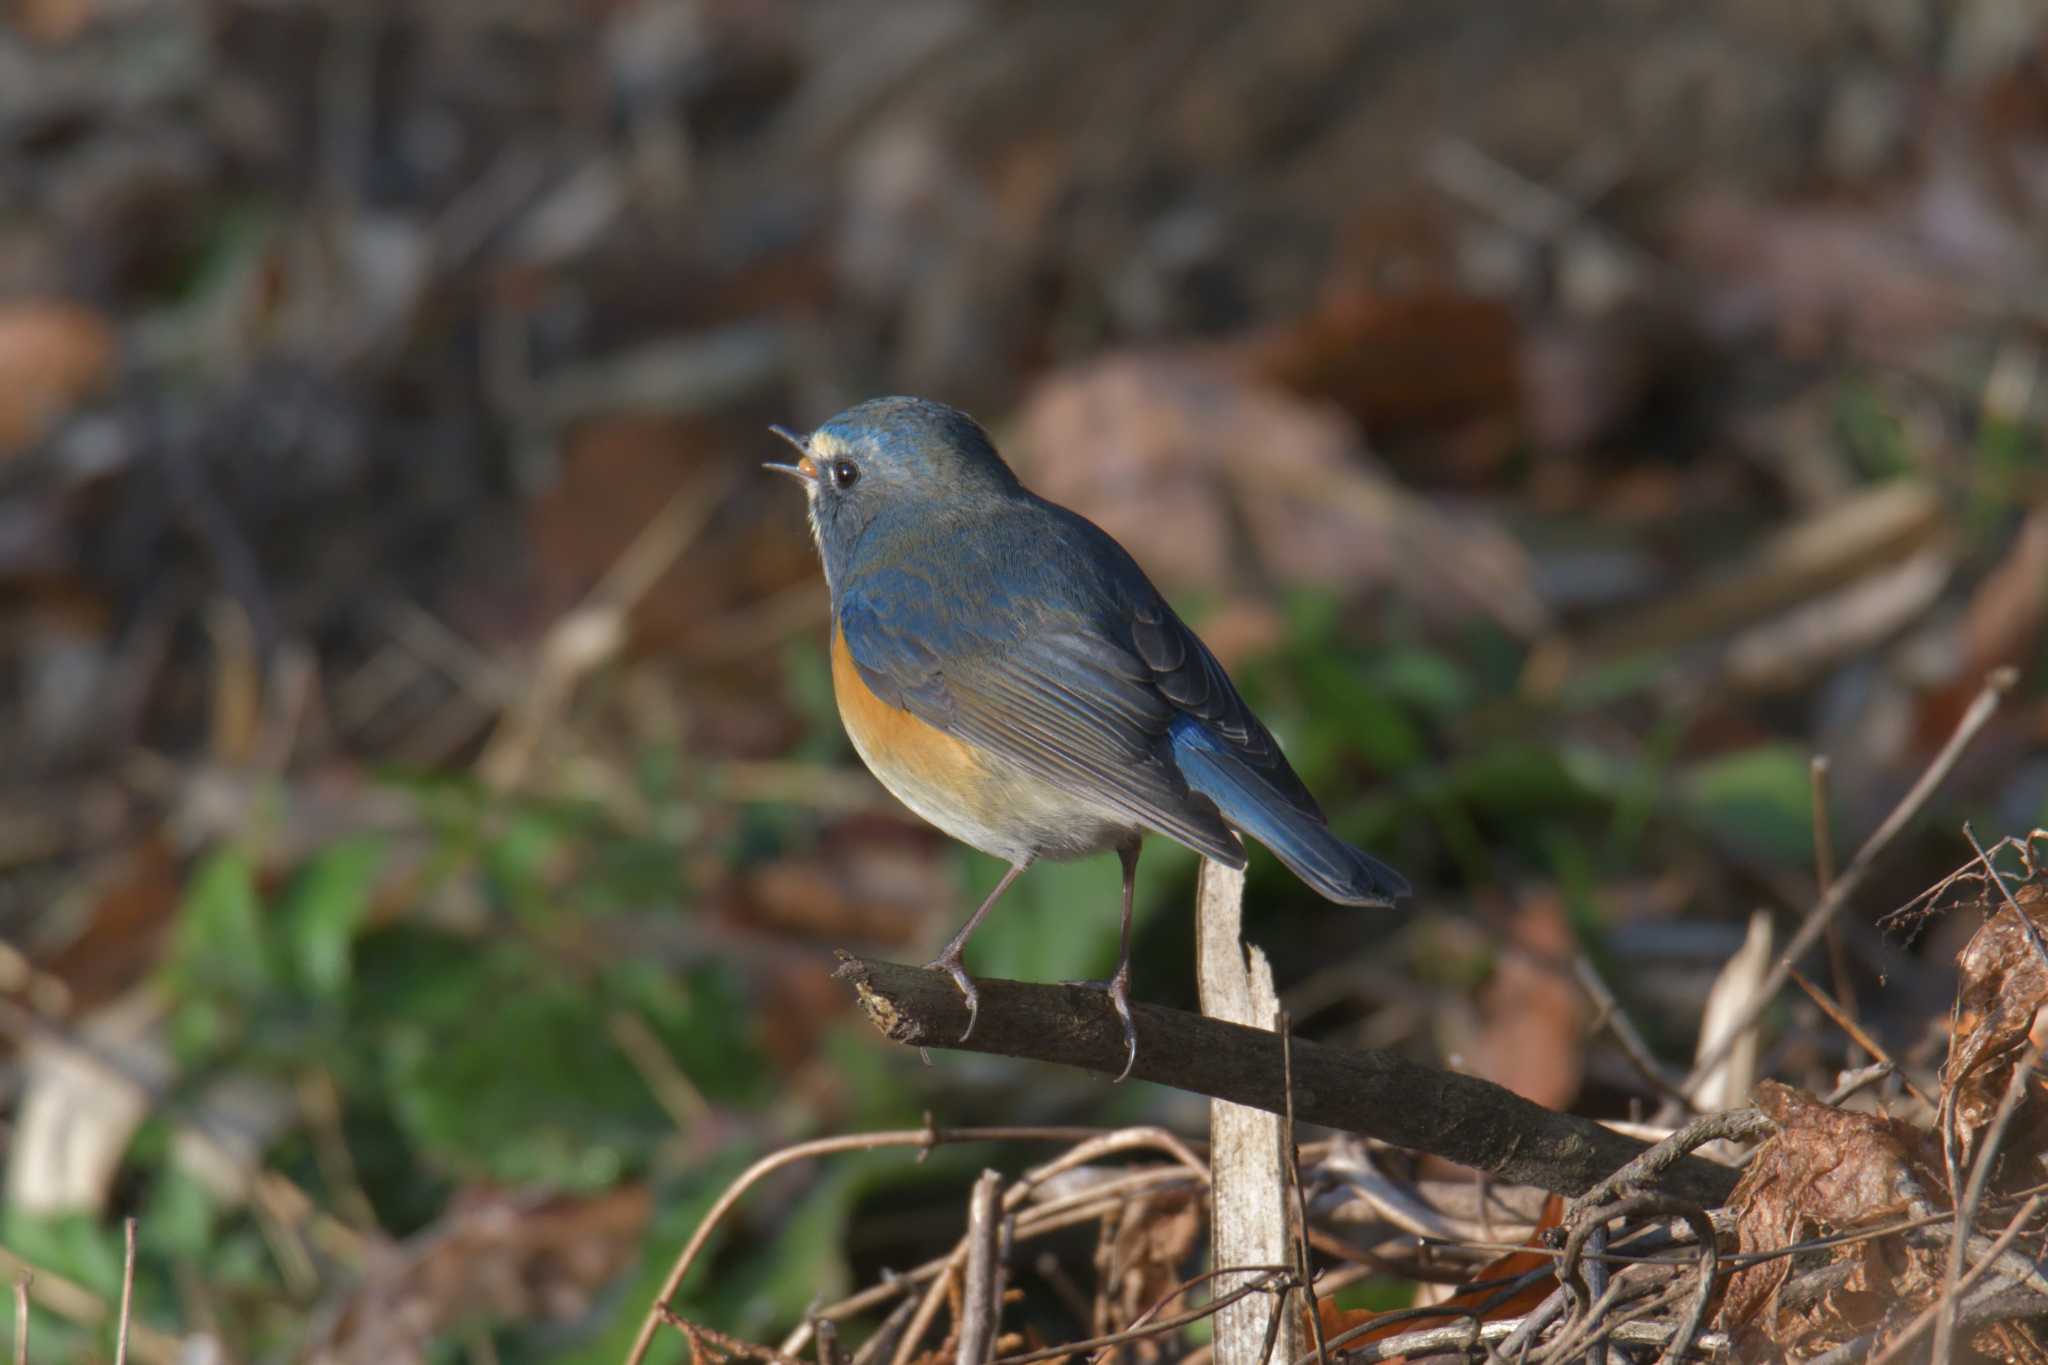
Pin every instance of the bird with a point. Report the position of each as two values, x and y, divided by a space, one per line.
1005 668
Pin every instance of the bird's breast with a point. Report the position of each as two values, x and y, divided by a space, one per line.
966 792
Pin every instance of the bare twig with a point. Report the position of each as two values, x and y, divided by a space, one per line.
1973 1195
1703 1297
1304 1270
21 1284
2027 925
1853 1081
1944 1306
1847 1023
75 1303
1267 1275
1597 1280
1469 1335
1275 1323
805 1151
1380 1094
1040 1220
127 1291
1823 877
830 1352
697 1334
1736 1125
928 1308
980 1293
1624 1030
590 633
1851 881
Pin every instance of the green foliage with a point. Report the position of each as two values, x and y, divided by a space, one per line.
323 913
500 1071
1759 800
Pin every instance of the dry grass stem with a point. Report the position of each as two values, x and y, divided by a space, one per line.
127 1291
1974 719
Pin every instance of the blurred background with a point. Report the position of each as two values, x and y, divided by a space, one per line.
424 825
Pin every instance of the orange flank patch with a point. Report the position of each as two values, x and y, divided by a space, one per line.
911 757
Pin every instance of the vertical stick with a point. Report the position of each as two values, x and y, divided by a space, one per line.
1248 1147
981 1295
127 1293
1824 877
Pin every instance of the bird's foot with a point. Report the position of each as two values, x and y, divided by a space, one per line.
951 964
1118 989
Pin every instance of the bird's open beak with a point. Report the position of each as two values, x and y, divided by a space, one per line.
803 468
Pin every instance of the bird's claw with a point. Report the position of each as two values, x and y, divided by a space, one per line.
1118 989
1120 997
952 966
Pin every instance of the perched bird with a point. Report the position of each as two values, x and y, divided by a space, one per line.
1010 674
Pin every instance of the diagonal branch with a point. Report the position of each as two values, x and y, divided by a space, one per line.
1379 1094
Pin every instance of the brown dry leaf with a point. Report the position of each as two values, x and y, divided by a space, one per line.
1395 339
1148 1256
1210 478
1512 1264
51 21
1826 1170
2004 984
1814 275
1532 1038
494 1255
122 935
1431 358
52 354
2005 615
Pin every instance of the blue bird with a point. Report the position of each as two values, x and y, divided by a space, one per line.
1006 669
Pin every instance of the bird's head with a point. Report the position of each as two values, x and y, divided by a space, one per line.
891 457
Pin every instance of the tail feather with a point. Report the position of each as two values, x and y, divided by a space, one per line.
1334 868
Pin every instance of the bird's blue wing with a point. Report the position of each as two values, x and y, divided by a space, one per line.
1039 685
1189 676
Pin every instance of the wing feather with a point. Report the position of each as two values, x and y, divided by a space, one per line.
1059 704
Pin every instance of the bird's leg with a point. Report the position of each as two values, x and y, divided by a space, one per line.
949 959
1120 984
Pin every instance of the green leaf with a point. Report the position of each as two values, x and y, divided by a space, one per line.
1425 680
1759 800
324 911
73 1245
1057 922
502 1067
180 1217
220 943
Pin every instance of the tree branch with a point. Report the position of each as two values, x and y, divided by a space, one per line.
1379 1094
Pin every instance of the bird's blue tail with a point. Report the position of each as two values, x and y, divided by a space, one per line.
1334 868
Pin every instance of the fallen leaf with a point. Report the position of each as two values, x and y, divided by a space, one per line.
1731 1001
1433 358
1825 1171
1814 275
1532 1036
52 354
1209 477
2003 987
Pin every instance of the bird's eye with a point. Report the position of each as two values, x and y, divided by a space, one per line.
845 473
